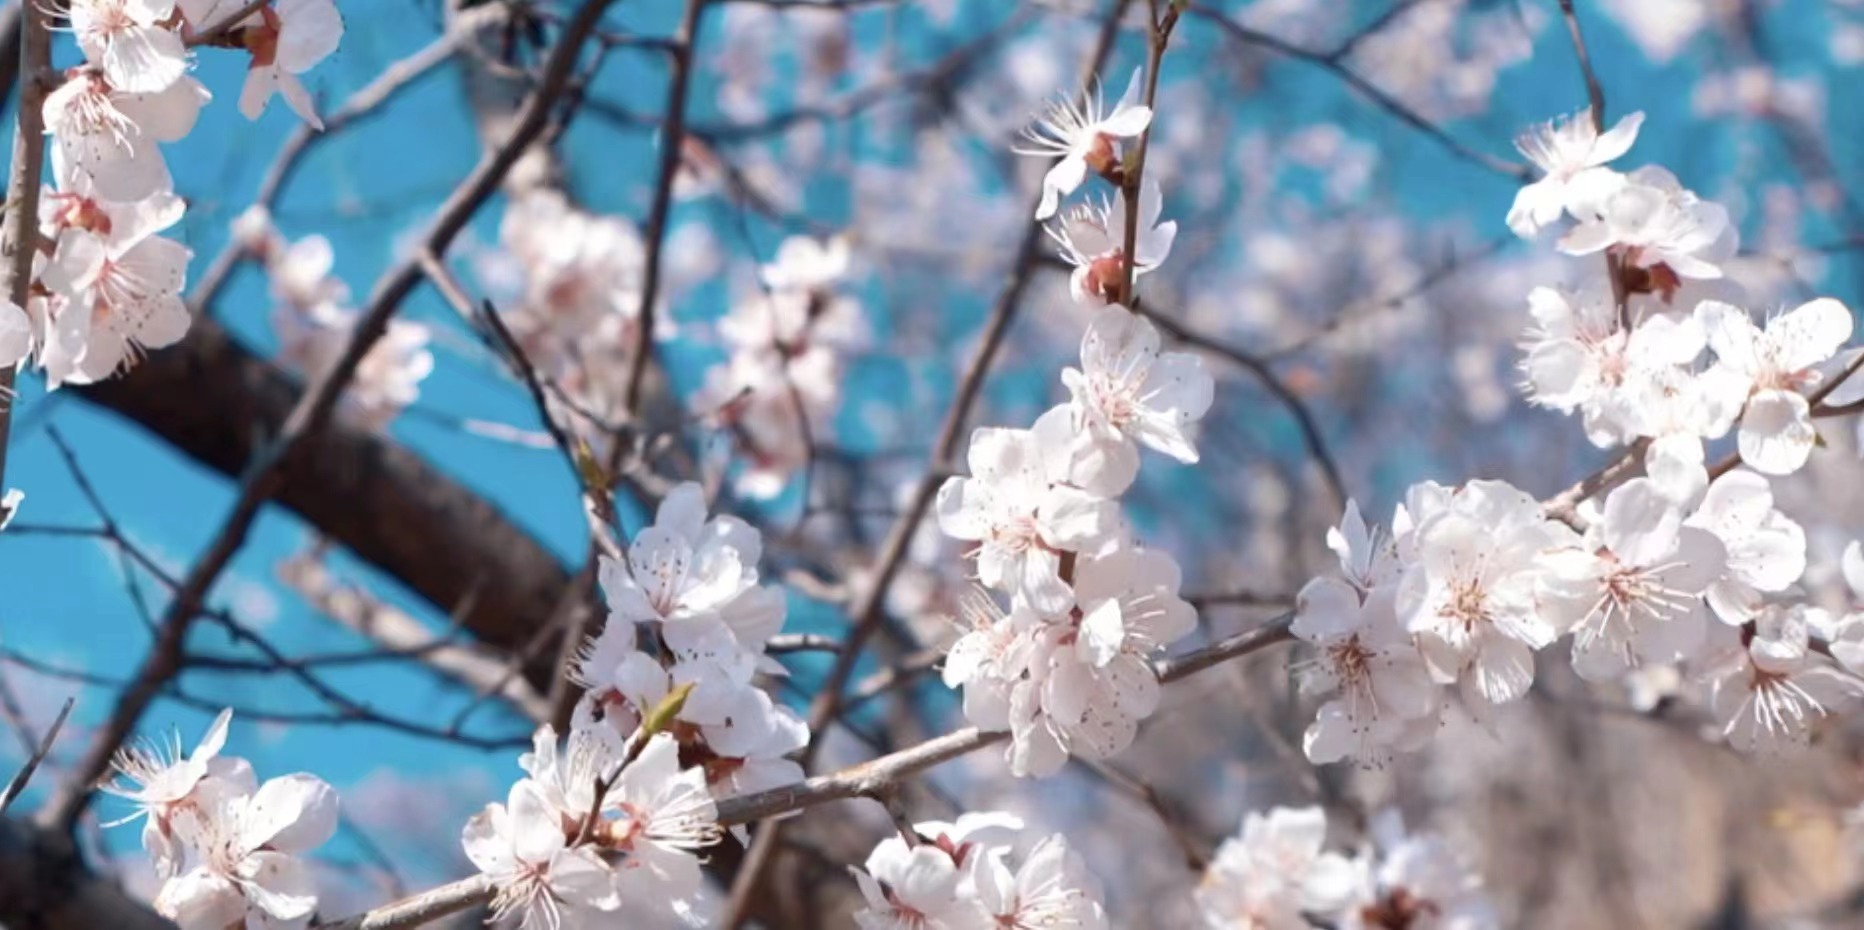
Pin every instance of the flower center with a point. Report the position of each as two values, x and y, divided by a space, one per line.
1104 275
1468 604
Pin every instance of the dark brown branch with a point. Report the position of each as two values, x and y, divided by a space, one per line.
18 784
22 219
388 505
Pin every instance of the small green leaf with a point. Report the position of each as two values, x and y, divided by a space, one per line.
594 477
664 712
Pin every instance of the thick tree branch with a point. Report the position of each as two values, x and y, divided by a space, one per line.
388 505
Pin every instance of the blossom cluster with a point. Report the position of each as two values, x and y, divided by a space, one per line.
601 823
959 876
575 284
782 382
1092 236
1274 874
1067 667
106 283
227 848
686 611
1683 567
670 719
315 323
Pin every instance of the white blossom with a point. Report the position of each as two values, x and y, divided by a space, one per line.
1052 889
1127 393
1093 240
1085 138
1016 508
161 783
1770 370
288 38
248 845
128 40
1470 591
1847 631
106 138
542 880
1766 549
1370 665
1768 693
1571 154
666 816
1635 597
806 264
1265 877
1417 881
1090 681
1663 232
685 567
114 288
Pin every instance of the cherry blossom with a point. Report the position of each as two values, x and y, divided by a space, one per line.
1368 557
1571 154
1370 662
1089 682
1052 889
747 733
1093 240
1766 549
684 567
106 138
1470 592
248 846
1127 393
1417 881
386 381
1770 691
129 41
1664 233
115 286
1633 594
541 879
988 660
806 264
1770 370
1846 632
10 502
287 39
1085 138
161 783
1021 515
666 816
957 876
1270 873
1627 384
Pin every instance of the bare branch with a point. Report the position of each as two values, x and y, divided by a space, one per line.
18 784
22 221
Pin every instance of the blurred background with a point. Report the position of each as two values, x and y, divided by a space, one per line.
1338 170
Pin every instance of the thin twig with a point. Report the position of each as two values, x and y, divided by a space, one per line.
18 784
